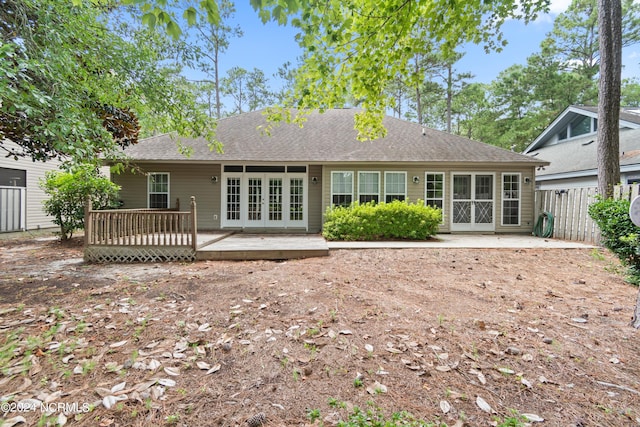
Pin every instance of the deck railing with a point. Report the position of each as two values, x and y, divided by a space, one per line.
141 228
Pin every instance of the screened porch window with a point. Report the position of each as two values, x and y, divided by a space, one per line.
158 189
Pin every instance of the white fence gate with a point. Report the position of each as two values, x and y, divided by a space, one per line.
12 209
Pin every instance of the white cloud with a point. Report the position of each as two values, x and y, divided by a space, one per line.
558 6
555 7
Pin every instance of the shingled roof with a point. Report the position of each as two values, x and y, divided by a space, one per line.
629 119
327 137
580 154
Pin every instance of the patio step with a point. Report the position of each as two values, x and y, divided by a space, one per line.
260 246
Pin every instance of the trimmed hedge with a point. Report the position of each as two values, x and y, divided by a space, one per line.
383 221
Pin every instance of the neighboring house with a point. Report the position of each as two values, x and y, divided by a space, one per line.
20 194
569 145
284 182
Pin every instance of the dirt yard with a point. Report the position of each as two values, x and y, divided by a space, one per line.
455 336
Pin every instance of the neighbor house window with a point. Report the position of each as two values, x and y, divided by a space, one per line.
395 186
511 199
434 190
158 189
581 125
342 188
368 187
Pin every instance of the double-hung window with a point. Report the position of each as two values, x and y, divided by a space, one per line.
158 190
368 187
434 190
395 186
511 199
341 188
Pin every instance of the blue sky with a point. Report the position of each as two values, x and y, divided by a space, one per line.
268 46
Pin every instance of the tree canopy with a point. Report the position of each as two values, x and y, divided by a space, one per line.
357 48
77 83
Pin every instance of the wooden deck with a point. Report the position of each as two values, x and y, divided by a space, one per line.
210 246
156 235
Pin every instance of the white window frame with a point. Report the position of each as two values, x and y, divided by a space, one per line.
149 192
231 222
593 128
334 173
386 192
506 196
444 187
360 181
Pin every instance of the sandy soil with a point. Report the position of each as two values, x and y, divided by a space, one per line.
453 336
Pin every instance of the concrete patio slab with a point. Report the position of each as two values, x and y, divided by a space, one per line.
469 241
241 246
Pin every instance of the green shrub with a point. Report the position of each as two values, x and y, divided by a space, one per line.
384 221
68 192
618 233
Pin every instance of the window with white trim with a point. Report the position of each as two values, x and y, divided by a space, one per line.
395 186
158 190
341 188
296 199
233 198
434 190
368 187
511 198
581 125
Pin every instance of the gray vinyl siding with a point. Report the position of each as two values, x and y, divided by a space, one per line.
417 191
315 199
185 180
35 217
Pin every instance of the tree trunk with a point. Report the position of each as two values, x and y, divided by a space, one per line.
418 96
610 29
217 81
635 322
449 95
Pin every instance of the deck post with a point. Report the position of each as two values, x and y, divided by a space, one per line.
194 224
87 221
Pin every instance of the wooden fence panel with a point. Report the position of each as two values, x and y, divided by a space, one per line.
570 210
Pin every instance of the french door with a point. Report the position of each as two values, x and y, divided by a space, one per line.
265 204
473 206
263 200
